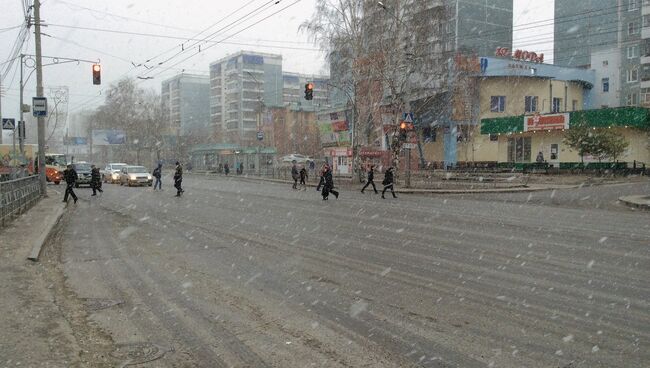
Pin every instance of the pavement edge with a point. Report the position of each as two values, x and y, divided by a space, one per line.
50 223
640 202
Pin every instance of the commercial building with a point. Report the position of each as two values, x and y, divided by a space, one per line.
185 101
241 87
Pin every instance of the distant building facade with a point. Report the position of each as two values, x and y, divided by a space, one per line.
185 101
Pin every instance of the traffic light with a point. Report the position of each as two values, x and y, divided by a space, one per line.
403 129
309 91
97 74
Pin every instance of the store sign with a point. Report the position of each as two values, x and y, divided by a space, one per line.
339 126
522 55
546 122
370 153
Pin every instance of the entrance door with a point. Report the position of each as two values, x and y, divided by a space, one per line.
554 158
519 149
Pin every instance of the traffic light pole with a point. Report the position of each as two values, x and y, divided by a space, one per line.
39 93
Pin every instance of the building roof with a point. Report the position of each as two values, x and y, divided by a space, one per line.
507 67
245 52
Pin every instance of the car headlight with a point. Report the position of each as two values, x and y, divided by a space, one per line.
132 177
149 177
114 175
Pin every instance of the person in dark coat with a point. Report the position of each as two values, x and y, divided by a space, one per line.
178 179
329 185
157 173
371 180
303 178
70 176
388 182
95 180
226 168
295 175
321 181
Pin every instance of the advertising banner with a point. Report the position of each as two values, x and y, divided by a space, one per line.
546 122
108 137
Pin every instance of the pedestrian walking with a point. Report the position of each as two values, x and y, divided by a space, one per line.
321 181
303 178
226 168
328 187
95 180
295 175
157 173
371 180
70 176
388 182
178 179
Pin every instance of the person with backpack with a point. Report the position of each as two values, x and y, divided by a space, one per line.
157 173
303 178
95 180
70 176
388 182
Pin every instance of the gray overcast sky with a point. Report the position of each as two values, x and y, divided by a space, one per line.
181 19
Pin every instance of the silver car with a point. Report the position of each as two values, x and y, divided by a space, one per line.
111 173
135 175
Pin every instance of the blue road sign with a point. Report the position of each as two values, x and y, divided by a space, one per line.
8 124
260 135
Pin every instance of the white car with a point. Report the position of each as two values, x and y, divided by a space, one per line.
111 173
135 175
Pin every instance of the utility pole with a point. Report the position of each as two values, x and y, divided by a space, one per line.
21 139
0 108
39 93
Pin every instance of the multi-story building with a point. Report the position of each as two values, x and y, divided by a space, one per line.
185 101
613 38
293 91
241 87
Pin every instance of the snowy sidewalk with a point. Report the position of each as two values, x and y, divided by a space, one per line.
34 331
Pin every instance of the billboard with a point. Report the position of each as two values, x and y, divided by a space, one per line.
546 122
108 137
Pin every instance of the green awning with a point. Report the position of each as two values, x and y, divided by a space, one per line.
636 117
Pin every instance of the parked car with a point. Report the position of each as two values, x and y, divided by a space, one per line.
135 175
111 173
83 170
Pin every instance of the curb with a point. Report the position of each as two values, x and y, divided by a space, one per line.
639 201
51 222
404 190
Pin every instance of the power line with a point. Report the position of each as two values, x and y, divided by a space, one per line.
154 35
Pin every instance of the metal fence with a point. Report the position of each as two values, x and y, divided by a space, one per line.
17 196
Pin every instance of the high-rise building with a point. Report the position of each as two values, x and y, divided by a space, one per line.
241 87
293 92
185 101
613 38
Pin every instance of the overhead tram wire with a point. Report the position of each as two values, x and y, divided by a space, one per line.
215 34
232 35
203 30
80 105
154 35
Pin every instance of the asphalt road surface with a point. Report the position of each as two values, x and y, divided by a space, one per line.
247 274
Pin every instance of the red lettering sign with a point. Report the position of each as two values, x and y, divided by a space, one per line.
546 122
522 55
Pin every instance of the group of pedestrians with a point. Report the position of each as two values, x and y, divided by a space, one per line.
71 177
388 182
326 183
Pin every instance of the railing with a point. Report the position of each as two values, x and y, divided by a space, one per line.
17 196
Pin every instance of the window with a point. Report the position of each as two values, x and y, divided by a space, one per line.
519 149
632 51
557 105
646 20
530 103
645 96
632 28
632 99
605 83
645 72
574 105
498 103
633 5
494 138
605 63
632 75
